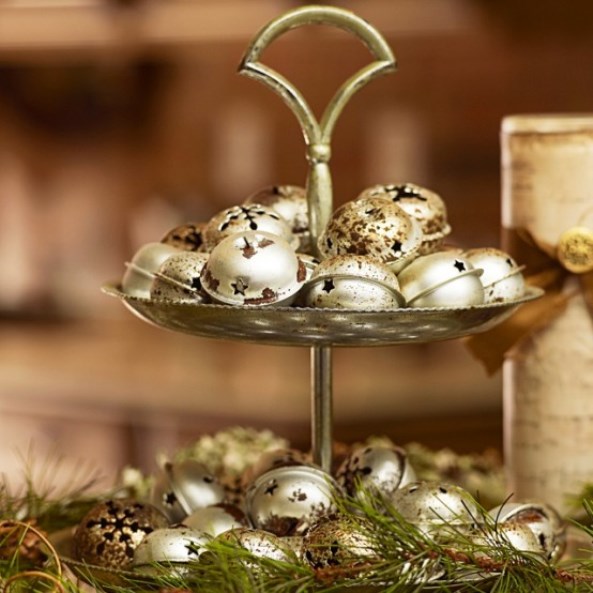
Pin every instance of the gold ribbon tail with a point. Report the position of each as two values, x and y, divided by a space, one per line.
492 346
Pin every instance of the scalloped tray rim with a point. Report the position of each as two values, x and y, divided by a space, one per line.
113 289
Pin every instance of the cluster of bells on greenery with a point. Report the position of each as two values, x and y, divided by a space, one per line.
285 508
383 250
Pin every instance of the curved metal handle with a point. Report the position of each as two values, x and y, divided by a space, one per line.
318 134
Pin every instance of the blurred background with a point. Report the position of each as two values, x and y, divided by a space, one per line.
120 119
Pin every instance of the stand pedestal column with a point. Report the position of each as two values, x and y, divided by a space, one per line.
321 406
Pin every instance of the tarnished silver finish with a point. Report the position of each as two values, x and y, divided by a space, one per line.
509 534
178 278
293 326
337 541
253 268
349 292
139 274
318 134
181 488
241 219
372 227
433 506
543 520
216 519
378 469
426 206
187 237
502 278
358 266
272 460
287 500
173 547
110 532
352 282
290 201
260 543
441 279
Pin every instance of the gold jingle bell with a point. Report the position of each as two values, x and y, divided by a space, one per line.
575 250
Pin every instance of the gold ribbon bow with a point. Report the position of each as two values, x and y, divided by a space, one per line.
546 267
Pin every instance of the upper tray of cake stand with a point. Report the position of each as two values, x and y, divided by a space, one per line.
296 326
327 325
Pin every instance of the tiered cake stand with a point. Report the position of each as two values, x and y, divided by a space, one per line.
319 329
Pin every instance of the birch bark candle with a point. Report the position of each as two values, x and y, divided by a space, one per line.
547 189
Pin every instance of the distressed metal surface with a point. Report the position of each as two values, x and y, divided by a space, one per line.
293 326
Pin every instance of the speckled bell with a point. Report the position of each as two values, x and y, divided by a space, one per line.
511 534
240 219
271 460
441 279
502 278
433 506
173 548
181 488
258 542
338 541
426 206
375 469
352 282
286 500
543 520
216 519
178 278
373 227
290 201
139 274
112 530
253 268
187 237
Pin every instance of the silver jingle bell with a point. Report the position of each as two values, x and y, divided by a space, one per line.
174 548
426 206
216 519
240 219
338 541
510 534
502 278
373 227
258 542
187 237
178 278
290 201
352 282
111 531
181 488
139 274
286 500
543 520
271 460
253 269
433 507
375 469
441 279
348 292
